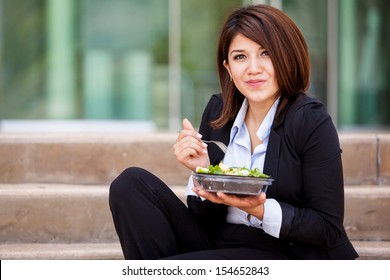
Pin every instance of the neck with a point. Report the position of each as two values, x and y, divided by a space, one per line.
257 112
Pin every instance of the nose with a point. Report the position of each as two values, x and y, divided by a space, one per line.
254 66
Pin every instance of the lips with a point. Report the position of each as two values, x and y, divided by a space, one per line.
256 82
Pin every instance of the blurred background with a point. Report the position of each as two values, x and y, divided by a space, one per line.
153 61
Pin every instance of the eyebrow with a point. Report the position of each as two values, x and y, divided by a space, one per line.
233 51
240 51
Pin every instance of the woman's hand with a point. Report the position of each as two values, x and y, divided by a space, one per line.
250 204
189 148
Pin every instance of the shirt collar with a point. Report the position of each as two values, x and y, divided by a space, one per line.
239 120
265 127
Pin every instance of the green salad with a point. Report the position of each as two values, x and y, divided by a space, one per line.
222 169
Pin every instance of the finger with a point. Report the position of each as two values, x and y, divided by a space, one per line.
263 195
191 139
262 198
208 195
188 130
187 155
240 201
231 200
196 190
187 125
190 143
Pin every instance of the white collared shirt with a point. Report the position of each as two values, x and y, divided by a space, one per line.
240 155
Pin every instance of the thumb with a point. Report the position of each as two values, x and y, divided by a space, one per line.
187 125
262 197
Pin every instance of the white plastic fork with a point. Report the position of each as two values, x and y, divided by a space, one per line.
220 144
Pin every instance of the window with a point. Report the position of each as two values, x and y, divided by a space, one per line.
113 60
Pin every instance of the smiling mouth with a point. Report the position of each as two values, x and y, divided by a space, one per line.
256 82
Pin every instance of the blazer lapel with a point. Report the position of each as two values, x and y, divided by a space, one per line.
272 157
271 161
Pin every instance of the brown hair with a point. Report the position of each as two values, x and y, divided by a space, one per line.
286 46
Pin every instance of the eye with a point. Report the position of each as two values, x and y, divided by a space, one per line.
264 53
239 57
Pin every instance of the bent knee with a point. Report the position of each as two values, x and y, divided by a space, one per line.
123 182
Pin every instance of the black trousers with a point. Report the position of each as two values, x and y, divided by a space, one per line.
153 223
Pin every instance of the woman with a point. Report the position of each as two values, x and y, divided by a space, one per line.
267 121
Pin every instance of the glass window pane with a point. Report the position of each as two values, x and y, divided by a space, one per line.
364 88
22 59
84 59
311 18
201 23
98 59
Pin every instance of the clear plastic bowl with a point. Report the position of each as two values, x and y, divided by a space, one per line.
242 185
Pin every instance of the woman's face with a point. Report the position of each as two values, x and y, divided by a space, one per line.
252 70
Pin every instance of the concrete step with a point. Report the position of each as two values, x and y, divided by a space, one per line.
92 159
366 158
45 213
372 250
61 251
96 159
367 212
42 213
368 250
54 191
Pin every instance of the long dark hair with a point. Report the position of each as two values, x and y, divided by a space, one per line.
278 34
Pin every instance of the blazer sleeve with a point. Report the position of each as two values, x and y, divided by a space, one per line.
313 209
208 214
212 112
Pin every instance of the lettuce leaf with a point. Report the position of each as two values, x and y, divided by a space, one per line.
222 169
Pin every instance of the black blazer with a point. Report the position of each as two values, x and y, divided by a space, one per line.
304 158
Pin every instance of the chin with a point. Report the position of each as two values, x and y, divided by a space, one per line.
260 98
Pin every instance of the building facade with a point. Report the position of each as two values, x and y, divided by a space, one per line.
154 60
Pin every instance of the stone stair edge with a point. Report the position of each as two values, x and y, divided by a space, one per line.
159 136
60 191
378 250
52 186
61 251
341 133
86 137
43 190
36 157
47 188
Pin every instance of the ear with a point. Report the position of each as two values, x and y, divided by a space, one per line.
226 65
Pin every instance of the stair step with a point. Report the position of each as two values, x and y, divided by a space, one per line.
97 159
366 158
54 213
42 213
54 190
92 159
372 250
368 250
366 212
61 251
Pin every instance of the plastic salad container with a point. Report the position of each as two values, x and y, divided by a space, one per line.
242 185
